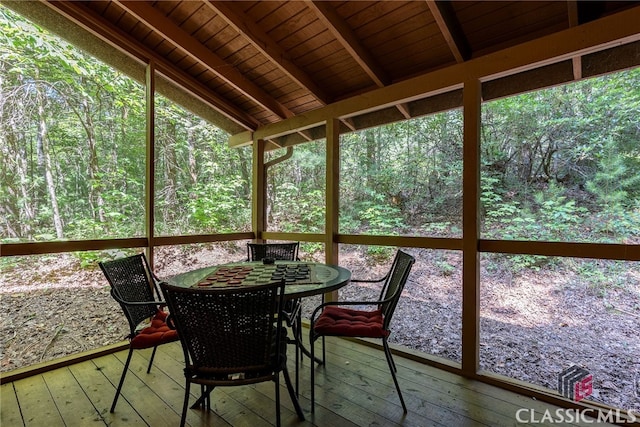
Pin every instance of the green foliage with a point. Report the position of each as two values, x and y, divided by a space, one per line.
378 254
561 164
377 218
216 208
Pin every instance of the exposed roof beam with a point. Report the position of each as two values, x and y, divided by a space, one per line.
162 25
404 110
98 26
230 12
450 28
607 32
572 12
350 42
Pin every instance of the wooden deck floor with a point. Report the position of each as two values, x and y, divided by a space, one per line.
355 389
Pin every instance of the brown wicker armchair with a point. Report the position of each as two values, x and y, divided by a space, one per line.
230 336
335 318
134 286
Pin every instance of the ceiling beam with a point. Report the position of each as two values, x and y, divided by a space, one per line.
114 36
240 22
450 28
607 32
175 35
349 41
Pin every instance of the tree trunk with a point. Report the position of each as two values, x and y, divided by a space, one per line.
193 167
46 164
95 187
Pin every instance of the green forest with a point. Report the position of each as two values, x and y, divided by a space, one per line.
556 164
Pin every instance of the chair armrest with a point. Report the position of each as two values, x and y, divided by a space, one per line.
386 276
125 302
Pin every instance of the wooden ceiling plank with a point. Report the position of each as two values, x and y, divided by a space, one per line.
350 42
604 33
450 28
95 24
267 46
181 39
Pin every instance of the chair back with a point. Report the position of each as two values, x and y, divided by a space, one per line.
279 251
394 284
132 281
227 331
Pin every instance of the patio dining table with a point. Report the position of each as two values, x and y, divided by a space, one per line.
302 279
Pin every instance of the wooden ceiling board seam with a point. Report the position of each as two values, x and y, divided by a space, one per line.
474 22
114 13
212 30
235 49
290 37
167 6
111 12
343 32
232 75
328 55
515 41
99 6
339 69
509 28
186 13
198 71
200 29
347 9
423 52
317 48
269 18
269 48
413 67
412 32
342 76
522 28
375 12
392 19
156 42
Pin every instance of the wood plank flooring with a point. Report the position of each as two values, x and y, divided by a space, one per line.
354 389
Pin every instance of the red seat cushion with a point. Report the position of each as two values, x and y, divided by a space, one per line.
346 322
158 332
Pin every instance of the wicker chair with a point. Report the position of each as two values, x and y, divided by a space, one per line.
292 311
230 336
275 251
335 318
134 287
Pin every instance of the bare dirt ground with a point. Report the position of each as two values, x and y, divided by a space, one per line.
533 325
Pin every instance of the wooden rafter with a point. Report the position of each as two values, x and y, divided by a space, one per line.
350 42
162 25
97 25
450 28
267 46
572 12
